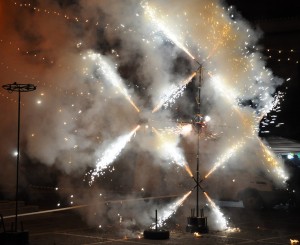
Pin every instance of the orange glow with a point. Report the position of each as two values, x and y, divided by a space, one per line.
211 202
187 168
197 234
137 128
132 103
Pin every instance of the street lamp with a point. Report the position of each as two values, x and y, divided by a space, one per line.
17 87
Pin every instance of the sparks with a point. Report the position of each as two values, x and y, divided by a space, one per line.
173 93
221 220
111 153
161 26
170 210
171 151
226 156
111 75
272 161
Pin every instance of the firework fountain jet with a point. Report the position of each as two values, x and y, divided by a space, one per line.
272 162
173 152
168 211
111 153
225 157
269 156
111 75
172 93
221 220
161 26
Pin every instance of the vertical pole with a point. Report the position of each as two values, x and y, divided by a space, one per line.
198 143
197 207
18 159
156 219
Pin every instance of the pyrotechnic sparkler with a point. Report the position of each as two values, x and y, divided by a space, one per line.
170 210
111 153
275 107
220 216
273 162
226 156
173 152
111 75
173 93
154 18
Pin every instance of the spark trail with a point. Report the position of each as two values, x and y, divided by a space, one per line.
225 157
170 210
111 153
154 18
111 75
273 162
173 152
219 215
173 93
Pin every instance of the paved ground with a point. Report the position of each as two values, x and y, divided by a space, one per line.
67 228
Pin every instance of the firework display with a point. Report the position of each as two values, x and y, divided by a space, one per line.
119 101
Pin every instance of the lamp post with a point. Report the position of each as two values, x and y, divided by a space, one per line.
17 87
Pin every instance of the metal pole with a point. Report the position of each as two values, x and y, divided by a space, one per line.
156 219
17 87
18 159
198 144
197 203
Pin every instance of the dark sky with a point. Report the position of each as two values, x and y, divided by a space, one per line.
266 9
280 23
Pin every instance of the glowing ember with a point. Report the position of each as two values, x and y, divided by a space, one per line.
189 171
231 229
294 241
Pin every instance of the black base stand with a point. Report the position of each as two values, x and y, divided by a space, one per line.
197 224
156 234
13 237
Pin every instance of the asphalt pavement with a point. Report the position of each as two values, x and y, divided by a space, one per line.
276 226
